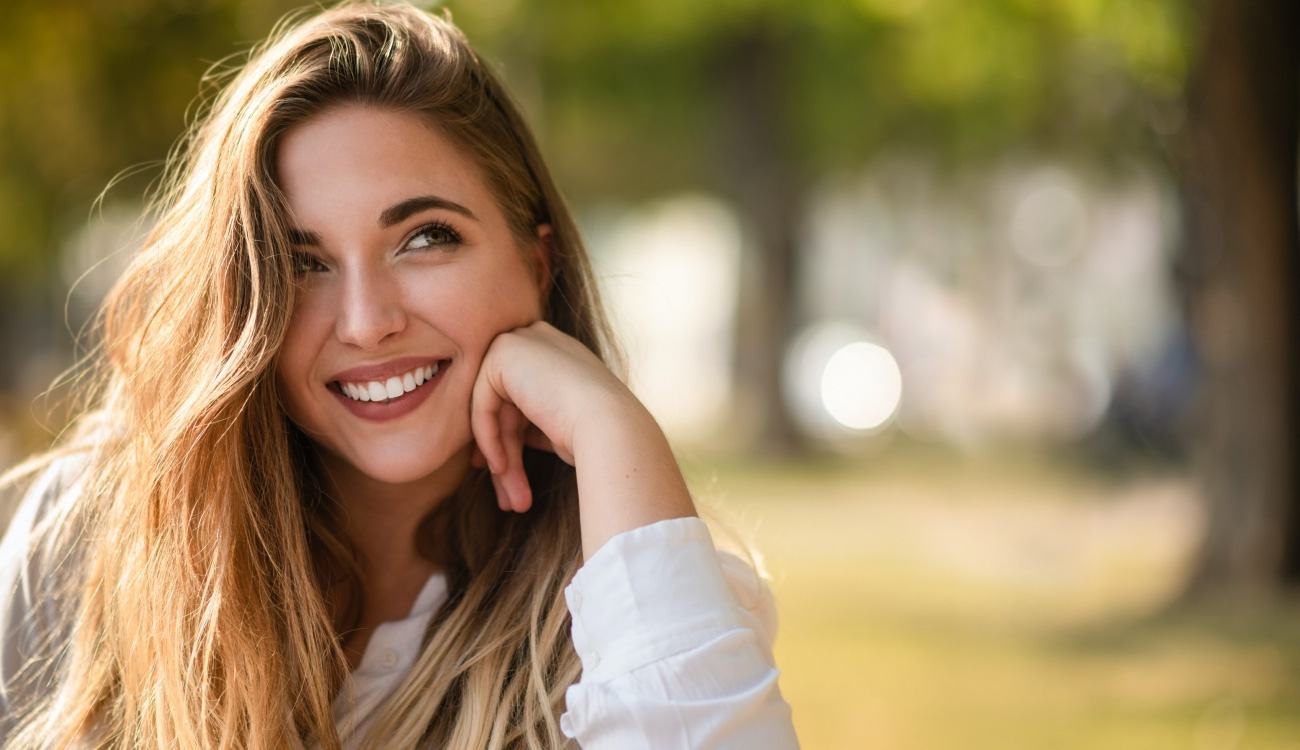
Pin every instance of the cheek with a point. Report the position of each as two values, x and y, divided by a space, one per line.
512 299
472 310
297 354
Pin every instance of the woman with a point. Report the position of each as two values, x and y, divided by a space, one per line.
299 510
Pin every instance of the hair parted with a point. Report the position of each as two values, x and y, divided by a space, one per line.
203 537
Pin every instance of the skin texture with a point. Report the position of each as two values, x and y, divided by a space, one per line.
370 294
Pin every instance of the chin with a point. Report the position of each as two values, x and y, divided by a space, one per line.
396 469
399 467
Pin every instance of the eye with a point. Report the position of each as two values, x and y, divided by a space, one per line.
431 235
305 263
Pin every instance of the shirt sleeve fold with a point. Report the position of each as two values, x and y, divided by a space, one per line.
675 639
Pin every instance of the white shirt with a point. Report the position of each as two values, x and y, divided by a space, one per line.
675 639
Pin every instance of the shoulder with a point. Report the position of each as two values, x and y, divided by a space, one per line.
29 552
33 568
40 500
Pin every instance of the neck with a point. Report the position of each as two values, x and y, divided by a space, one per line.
382 520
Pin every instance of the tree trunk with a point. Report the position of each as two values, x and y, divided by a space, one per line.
762 174
1242 276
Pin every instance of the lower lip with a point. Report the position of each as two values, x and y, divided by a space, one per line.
382 411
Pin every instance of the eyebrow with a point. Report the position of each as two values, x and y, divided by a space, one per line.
392 215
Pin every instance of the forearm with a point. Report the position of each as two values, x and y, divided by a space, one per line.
627 474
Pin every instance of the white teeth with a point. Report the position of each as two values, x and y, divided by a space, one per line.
391 388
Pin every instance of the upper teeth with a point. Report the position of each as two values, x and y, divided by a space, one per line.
383 390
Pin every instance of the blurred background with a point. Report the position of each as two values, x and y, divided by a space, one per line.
979 318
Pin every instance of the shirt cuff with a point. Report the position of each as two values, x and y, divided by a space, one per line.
647 594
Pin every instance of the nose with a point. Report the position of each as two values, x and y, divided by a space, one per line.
370 309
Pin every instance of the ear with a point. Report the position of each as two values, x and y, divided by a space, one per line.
545 250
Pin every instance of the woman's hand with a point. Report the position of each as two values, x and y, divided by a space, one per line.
534 386
540 387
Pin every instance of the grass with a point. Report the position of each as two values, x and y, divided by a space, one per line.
1002 602
1008 600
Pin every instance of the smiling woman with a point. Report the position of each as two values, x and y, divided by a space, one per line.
410 274
399 498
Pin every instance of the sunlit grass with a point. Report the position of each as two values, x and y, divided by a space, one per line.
1009 601
1006 602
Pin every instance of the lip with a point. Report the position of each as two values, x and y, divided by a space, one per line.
383 370
382 411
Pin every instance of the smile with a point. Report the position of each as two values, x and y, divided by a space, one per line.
392 388
392 397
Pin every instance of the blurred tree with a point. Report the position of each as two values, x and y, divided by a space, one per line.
756 99
89 92
1244 279
753 100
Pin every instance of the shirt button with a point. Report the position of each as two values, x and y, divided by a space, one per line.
389 659
577 598
595 658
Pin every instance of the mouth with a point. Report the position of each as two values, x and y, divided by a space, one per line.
389 399
392 389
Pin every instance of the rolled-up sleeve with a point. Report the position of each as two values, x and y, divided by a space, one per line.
675 639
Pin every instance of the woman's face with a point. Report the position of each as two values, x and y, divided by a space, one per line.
407 264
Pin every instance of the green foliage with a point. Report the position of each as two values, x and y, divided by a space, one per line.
641 84
90 91
630 97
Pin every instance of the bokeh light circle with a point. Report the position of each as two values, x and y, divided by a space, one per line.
861 385
840 383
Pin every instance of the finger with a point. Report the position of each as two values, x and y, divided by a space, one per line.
500 492
484 422
560 338
515 478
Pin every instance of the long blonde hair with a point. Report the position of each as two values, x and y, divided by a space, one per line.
205 535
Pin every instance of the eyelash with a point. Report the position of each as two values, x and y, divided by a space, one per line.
450 237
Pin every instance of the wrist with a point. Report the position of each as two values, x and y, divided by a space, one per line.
627 474
612 416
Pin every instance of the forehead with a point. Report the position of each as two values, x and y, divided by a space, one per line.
355 160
